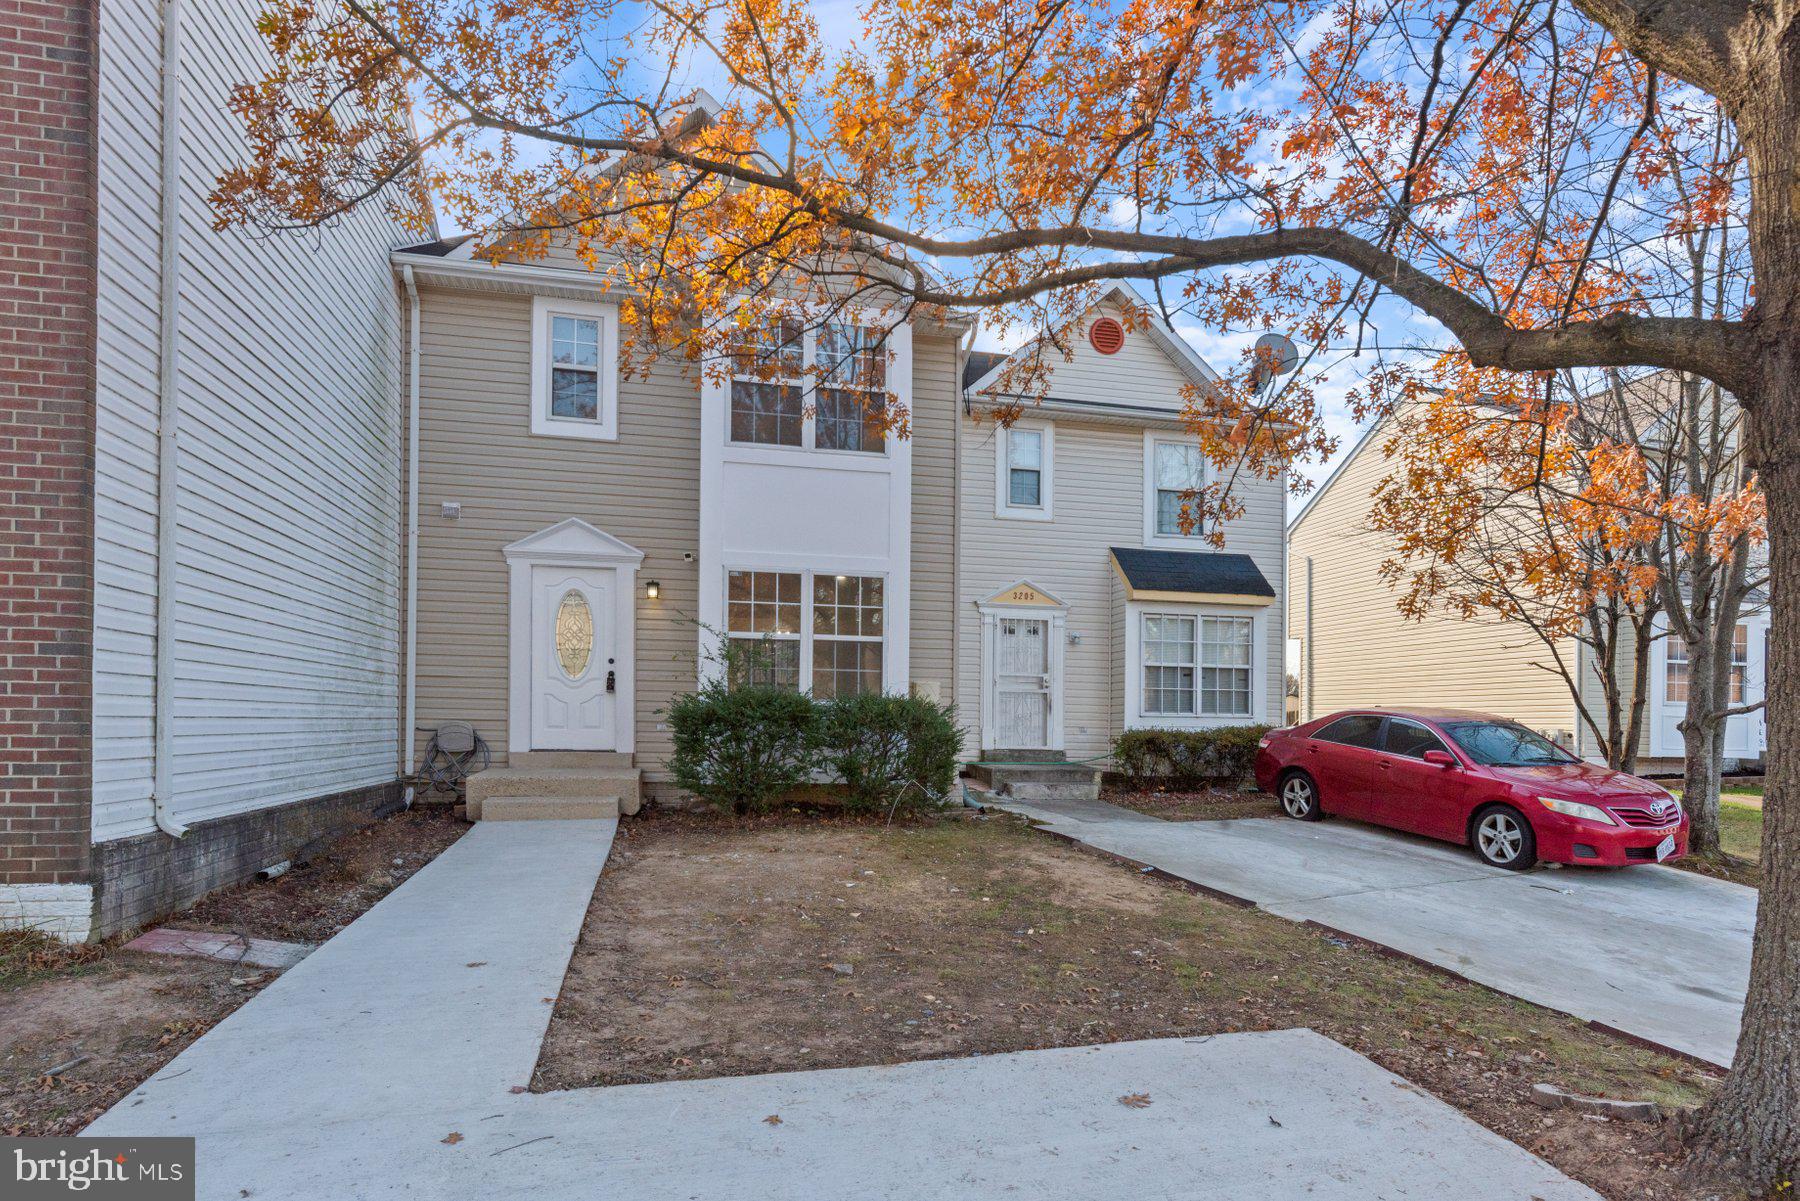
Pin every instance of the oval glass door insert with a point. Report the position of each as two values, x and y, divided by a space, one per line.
574 634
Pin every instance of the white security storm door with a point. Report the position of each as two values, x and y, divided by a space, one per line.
1022 682
573 668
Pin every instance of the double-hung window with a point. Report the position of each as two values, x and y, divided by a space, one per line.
1176 470
766 386
1675 664
1740 662
1024 454
575 346
786 627
823 388
852 408
1197 665
847 624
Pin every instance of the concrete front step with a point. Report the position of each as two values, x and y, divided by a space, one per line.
1040 781
548 808
593 760
621 785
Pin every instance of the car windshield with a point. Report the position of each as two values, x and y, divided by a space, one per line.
1503 744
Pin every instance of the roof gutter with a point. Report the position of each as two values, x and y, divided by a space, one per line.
168 414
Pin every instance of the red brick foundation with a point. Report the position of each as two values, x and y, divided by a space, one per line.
48 213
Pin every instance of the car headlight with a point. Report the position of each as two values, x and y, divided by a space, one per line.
1591 813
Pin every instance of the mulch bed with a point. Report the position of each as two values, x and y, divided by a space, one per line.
720 947
124 1014
1207 804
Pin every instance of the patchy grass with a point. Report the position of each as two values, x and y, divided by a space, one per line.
720 948
1740 835
1207 804
115 1017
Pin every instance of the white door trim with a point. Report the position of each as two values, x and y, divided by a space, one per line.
992 613
571 542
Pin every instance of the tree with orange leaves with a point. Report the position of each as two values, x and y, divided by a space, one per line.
1499 166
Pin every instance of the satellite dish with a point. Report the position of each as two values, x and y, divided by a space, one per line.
1278 351
1275 355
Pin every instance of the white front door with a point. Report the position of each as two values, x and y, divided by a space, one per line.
573 668
1022 683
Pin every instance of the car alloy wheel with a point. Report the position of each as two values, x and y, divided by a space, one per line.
1299 800
1504 840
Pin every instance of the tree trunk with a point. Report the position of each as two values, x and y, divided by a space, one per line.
1700 771
1754 1124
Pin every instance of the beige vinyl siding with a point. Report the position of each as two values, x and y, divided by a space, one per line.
1139 374
935 414
1368 653
476 449
1097 488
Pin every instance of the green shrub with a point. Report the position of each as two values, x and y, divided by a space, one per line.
742 748
1184 760
893 753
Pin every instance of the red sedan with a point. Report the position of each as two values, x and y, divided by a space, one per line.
1469 778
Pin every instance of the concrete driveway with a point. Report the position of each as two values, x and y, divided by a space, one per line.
1657 953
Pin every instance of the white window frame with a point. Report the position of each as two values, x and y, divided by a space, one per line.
605 426
1003 506
811 387
1136 718
1151 536
807 636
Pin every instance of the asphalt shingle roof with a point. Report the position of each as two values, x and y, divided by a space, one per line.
1191 571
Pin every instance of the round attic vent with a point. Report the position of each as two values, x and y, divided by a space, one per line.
1107 335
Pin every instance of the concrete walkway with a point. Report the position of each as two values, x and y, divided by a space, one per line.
383 1066
1658 953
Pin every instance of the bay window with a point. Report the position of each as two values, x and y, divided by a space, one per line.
1197 665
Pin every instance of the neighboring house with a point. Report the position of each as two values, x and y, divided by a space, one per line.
1083 609
586 536
201 444
1356 647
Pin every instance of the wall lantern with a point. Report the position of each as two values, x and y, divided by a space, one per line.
652 589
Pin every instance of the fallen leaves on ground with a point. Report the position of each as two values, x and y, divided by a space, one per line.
1135 1100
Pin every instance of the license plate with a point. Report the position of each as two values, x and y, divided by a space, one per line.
1665 848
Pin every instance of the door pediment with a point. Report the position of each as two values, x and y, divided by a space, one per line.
1023 594
573 540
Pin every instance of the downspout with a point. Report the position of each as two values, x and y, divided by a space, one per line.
412 522
162 788
1309 638
964 346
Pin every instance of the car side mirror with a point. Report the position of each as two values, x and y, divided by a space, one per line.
1438 758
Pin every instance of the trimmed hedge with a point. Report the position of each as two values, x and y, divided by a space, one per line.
894 754
1184 760
746 748
742 748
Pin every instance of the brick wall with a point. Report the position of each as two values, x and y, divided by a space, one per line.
137 880
47 337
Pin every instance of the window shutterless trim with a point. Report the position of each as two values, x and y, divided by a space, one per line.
604 427
1003 506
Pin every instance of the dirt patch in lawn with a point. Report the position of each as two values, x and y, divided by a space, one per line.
1740 835
1206 804
115 1017
718 948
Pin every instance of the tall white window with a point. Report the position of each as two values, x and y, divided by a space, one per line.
1740 662
1023 469
1176 471
785 627
766 385
847 633
1197 666
574 369
852 408
841 368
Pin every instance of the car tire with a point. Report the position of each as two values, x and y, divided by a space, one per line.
1502 838
1299 797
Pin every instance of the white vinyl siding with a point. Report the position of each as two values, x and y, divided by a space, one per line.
286 665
